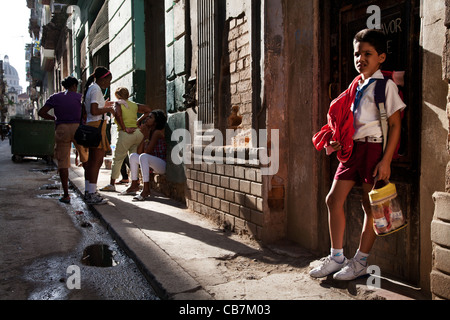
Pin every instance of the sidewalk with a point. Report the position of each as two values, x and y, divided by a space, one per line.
186 257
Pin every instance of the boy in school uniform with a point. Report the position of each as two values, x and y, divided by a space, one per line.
366 160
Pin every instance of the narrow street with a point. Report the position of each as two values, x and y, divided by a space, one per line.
43 243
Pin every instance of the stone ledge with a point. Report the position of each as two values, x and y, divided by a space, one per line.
442 259
442 206
440 284
440 233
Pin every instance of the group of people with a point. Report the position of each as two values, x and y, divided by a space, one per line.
142 139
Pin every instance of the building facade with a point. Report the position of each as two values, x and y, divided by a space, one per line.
246 84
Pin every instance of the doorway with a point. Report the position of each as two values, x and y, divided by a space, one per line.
397 255
155 54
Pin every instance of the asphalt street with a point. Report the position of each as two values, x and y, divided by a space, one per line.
43 242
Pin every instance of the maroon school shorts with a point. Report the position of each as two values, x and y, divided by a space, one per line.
361 165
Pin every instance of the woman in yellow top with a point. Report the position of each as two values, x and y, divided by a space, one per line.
129 135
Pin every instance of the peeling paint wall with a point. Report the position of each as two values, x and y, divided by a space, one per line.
127 47
274 101
434 155
440 226
302 66
291 96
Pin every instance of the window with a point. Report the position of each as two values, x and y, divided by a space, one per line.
207 60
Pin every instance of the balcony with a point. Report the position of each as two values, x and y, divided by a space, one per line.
35 69
47 59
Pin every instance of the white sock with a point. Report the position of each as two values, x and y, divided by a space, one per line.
86 186
337 255
361 257
92 187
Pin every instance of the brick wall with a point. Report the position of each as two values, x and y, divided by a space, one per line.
240 77
229 194
170 189
240 68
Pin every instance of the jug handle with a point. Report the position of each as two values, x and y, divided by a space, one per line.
386 181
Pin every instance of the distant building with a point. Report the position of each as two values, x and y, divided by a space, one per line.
11 77
17 102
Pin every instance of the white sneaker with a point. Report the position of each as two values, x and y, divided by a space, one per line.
351 271
94 198
327 267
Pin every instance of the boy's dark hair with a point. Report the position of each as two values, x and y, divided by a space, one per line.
376 38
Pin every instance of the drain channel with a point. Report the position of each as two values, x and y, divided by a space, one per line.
98 255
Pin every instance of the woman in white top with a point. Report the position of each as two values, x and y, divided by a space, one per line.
96 106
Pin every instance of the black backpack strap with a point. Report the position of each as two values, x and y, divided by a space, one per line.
380 100
380 91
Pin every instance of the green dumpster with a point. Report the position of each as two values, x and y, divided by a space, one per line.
32 138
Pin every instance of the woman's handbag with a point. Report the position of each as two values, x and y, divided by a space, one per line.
87 136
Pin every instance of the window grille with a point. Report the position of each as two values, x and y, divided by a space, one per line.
99 31
207 60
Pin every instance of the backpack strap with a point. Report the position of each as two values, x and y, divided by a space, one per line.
380 100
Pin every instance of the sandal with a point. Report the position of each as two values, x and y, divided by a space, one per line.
128 193
124 181
141 198
65 200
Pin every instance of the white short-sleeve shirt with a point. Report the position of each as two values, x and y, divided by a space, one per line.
367 116
94 95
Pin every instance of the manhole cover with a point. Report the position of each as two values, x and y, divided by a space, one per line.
98 255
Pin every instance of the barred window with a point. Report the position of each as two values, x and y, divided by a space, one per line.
207 60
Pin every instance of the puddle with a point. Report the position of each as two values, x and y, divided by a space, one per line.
45 170
49 195
86 225
53 186
98 255
106 271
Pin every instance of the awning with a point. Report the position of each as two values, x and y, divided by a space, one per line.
83 55
99 31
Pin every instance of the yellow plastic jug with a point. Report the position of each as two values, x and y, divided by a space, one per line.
388 216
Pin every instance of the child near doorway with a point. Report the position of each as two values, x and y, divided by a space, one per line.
361 160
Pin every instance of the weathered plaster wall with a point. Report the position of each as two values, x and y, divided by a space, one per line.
303 88
127 46
121 44
274 101
291 97
434 156
440 226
